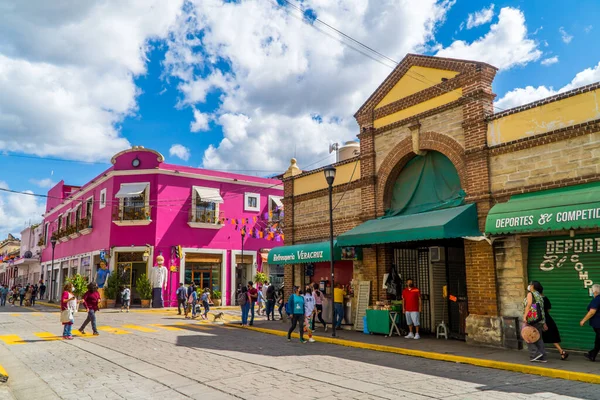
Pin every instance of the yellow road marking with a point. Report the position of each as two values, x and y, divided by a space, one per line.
167 327
36 314
3 374
110 329
139 328
193 326
11 339
47 336
86 335
15 315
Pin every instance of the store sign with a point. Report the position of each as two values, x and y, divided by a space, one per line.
571 254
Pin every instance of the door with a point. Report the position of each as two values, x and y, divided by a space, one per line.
567 267
457 291
202 278
414 264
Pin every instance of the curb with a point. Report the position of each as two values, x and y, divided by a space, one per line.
479 362
3 375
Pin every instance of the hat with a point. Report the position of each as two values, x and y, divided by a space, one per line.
530 334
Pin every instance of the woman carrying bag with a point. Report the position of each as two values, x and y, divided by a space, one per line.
534 322
68 305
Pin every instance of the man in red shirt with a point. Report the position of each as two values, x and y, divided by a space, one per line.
90 300
253 292
411 307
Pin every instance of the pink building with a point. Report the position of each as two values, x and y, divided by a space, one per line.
142 207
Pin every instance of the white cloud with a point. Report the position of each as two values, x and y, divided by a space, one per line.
45 183
588 28
283 72
200 122
67 72
480 17
17 211
566 38
549 61
506 44
520 96
178 150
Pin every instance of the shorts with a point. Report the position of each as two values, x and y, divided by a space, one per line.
412 318
126 303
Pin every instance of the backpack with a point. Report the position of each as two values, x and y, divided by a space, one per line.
242 299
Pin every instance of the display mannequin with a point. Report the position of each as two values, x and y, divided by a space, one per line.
159 282
101 277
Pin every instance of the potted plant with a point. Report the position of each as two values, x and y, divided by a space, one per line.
144 289
260 277
79 283
111 290
216 298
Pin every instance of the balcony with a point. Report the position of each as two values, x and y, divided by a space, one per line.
205 220
131 215
85 226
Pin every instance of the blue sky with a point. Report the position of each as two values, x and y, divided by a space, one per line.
264 85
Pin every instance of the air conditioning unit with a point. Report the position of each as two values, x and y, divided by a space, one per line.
435 254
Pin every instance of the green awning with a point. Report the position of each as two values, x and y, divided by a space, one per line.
303 253
572 207
449 223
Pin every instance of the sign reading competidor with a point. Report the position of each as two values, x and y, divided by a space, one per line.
571 254
548 220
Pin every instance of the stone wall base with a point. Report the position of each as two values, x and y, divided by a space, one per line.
484 330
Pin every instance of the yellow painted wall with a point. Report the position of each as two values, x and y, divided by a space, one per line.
419 108
559 114
316 181
416 79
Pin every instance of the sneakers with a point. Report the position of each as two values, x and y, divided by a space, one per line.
409 336
96 333
325 328
81 331
537 358
302 341
311 340
289 340
589 357
417 336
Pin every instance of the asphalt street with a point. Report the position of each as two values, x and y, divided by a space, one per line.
159 355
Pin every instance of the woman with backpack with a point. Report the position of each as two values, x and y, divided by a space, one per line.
244 302
534 322
296 310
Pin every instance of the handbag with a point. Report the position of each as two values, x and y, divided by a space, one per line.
66 316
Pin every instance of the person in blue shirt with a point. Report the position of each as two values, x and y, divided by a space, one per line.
3 294
594 317
205 302
296 307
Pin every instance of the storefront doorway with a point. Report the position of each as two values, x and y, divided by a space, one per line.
130 266
204 270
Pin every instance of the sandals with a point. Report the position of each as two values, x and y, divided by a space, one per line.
564 355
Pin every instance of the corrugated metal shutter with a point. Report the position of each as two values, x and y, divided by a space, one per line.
566 267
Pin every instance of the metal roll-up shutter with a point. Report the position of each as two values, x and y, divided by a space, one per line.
567 267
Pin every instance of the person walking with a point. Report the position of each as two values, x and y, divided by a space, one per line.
42 290
181 298
411 307
3 295
261 302
270 296
296 308
22 292
125 298
552 335
243 300
309 312
192 301
90 301
533 315
253 293
338 305
205 299
318 295
68 304
593 316
28 294
34 293
280 302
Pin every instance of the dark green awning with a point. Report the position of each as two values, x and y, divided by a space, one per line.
303 253
573 207
449 223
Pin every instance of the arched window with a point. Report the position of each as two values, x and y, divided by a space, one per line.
426 183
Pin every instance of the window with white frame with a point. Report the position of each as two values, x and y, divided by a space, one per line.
77 216
67 219
89 210
59 226
102 199
275 208
133 202
252 202
205 205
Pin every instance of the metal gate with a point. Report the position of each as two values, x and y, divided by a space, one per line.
457 287
567 267
414 264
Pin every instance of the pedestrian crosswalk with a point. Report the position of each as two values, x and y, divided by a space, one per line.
200 326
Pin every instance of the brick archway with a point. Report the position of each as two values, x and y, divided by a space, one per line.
402 153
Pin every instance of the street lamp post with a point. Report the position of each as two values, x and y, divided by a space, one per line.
330 177
53 243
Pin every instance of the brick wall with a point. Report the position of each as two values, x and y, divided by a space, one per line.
481 278
511 274
540 166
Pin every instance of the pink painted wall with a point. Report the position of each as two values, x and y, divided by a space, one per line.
170 200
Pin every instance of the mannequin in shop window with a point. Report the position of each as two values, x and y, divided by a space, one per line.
159 282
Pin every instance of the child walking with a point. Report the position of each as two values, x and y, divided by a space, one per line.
125 298
309 311
205 302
